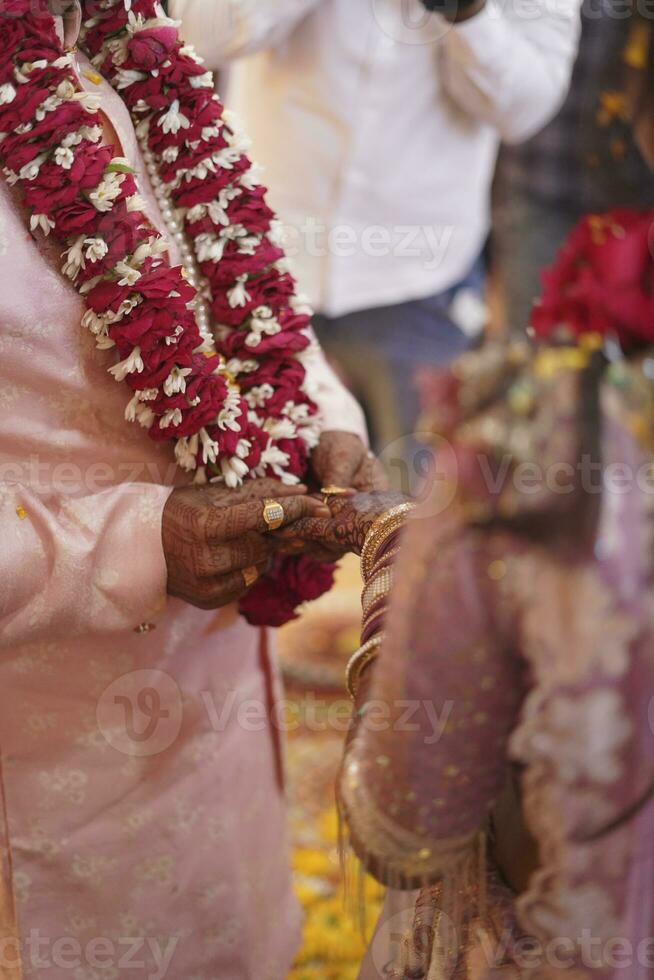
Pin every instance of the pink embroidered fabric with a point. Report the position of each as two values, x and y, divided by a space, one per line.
518 653
142 820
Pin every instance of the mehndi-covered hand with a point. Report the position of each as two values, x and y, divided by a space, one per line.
217 542
349 522
341 459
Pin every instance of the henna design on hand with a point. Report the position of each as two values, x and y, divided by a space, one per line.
211 533
351 519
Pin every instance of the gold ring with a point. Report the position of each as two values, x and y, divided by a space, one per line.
273 514
335 491
250 575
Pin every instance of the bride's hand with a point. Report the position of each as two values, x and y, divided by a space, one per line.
349 524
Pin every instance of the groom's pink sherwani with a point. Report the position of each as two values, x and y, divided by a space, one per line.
142 821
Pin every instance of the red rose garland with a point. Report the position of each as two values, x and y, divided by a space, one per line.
602 281
232 399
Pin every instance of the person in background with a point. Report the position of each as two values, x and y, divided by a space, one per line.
585 161
378 125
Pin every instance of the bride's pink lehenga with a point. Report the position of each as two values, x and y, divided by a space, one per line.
513 782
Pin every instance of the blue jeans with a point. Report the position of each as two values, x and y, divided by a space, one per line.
380 350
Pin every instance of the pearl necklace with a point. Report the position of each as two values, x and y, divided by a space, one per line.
176 231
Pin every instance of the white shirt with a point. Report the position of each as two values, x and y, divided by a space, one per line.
378 126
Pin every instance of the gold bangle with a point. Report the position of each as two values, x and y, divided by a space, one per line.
376 587
359 661
386 561
381 611
370 558
382 528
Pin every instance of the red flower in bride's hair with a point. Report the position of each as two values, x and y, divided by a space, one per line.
602 280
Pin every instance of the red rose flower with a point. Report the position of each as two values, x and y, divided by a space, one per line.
602 280
151 46
279 371
159 282
251 211
75 219
71 115
106 296
13 33
235 264
275 598
204 191
145 327
121 231
23 107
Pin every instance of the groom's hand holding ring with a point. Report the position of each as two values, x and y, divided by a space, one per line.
217 541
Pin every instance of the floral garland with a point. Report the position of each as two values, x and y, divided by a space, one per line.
233 399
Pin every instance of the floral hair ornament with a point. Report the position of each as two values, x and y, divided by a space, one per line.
602 280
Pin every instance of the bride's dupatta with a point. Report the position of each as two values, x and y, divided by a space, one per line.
520 648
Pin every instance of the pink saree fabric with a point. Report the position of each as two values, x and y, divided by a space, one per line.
142 812
524 651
